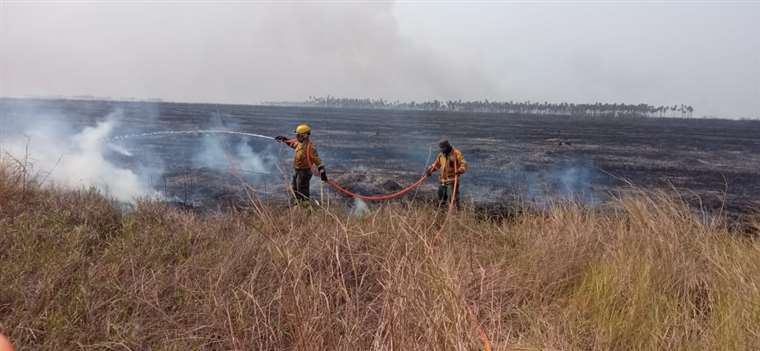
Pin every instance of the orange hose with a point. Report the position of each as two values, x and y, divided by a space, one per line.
345 191
481 332
376 197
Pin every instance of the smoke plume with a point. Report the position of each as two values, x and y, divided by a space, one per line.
237 52
359 208
57 154
220 152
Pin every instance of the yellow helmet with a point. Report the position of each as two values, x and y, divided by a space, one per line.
303 129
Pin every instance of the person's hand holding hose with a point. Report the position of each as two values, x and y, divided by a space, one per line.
280 138
322 173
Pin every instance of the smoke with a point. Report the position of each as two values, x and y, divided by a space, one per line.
359 208
213 154
233 154
227 153
254 162
73 159
537 185
120 149
271 52
574 182
567 180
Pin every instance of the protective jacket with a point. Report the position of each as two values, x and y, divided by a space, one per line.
450 165
305 154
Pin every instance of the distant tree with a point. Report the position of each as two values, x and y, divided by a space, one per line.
597 109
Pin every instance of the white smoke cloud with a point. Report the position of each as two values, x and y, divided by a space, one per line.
74 160
255 162
218 152
237 52
212 154
120 149
360 208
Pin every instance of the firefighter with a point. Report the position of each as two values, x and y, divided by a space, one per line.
452 165
305 161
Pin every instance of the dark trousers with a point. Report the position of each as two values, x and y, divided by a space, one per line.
445 192
301 182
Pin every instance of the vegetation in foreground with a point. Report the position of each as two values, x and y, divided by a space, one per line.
644 273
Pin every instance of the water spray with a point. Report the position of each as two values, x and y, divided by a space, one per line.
187 132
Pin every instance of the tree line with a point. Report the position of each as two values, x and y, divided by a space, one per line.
598 109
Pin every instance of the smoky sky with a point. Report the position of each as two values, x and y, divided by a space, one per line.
697 53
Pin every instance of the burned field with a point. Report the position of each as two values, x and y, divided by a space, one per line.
712 163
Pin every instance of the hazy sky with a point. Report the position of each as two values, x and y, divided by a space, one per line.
706 54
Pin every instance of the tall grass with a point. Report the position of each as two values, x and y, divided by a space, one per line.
644 272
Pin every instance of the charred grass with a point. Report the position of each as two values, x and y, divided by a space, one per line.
644 272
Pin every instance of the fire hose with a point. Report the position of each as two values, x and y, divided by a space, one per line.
401 192
351 194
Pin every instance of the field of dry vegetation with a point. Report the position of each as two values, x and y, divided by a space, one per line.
643 272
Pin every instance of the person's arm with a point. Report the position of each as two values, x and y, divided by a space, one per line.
289 142
461 163
317 162
434 167
314 156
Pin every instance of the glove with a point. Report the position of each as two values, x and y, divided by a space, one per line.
428 172
280 138
322 173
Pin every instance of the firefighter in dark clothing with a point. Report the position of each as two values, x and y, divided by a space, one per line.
305 161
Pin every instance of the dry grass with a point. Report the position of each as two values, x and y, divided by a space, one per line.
643 273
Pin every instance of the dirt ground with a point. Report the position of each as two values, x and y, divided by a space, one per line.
533 158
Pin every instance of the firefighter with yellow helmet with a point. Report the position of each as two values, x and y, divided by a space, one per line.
305 160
